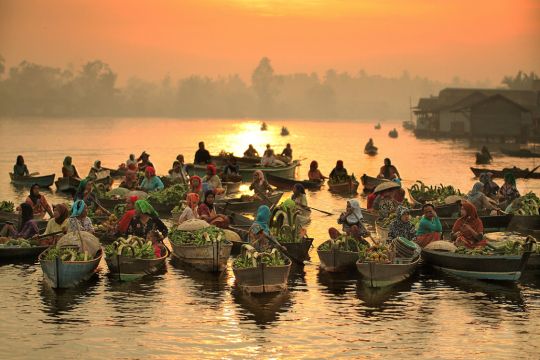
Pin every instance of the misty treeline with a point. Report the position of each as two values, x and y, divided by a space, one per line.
30 89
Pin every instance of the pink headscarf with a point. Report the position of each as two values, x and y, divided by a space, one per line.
150 171
260 176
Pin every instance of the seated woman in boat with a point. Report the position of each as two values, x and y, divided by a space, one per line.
259 232
202 156
429 228
483 204
68 169
151 182
314 174
213 180
490 187
269 159
468 229
144 161
38 202
79 219
94 170
251 152
85 192
207 212
123 224
388 171
195 186
260 186
370 146
351 220
485 153
27 225
178 173
231 168
131 160
385 203
286 154
508 191
300 200
339 173
147 225
59 220
20 169
191 209
401 226
131 179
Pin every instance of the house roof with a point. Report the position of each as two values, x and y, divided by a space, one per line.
450 97
427 104
480 101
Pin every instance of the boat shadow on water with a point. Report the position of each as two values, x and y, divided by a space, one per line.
263 309
337 283
377 299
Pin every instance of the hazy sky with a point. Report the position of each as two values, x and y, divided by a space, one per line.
474 39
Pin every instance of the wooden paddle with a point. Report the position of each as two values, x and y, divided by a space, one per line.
531 172
283 249
101 207
36 173
319 210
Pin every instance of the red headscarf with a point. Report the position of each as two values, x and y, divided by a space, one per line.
150 171
191 180
192 200
212 168
133 198
471 218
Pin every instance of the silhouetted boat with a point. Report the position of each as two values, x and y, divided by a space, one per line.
264 127
393 133
287 183
378 126
524 153
518 173
42 181
284 131
370 183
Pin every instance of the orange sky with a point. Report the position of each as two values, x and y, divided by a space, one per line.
474 39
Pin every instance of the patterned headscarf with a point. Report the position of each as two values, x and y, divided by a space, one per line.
192 200
510 179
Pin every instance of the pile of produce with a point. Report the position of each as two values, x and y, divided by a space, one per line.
7 206
169 196
432 194
476 251
284 225
66 254
132 246
342 179
109 225
344 243
385 222
200 237
379 253
502 248
119 210
415 220
251 258
527 205
178 209
6 242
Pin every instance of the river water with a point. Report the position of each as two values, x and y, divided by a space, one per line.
180 313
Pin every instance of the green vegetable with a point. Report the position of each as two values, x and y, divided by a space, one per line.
7 206
344 243
66 254
432 194
199 237
341 179
288 231
132 246
251 258
527 205
170 196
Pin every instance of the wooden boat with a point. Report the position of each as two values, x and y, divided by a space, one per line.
378 126
288 183
162 209
518 173
263 278
109 204
247 169
523 153
126 268
212 257
408 125
238 205
491 223
116 173
21 253
371 151
284 131
443 211
13 217
370 183
69 184
480 267
393 133
299 250
264 127
65 274
370 216
337 260
349 187
231 187
381 275
482 159
42 181
382 232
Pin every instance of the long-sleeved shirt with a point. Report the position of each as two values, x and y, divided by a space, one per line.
152 184
202 156
28 230
53 226
428 226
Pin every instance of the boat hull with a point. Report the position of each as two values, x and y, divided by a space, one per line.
247 171
381 275
337 260
518 173
299 250
522 153
210 258
59 274
248 206
370 183
18 253
263 279
42 181
126 268
350 187
288 184
71 184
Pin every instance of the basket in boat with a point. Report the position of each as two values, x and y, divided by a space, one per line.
405 248
441 245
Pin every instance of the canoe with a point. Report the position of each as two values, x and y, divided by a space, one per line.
370 152
247 169
287 183
211 258
21 253
491 223
109 204
337 260
518 173
284 131
380 275
393 134
349 187
116 173
443 211
370 216
65 274
71 184
13 218
231 187
237 205
480 267
126 268
523 153
370 183
42 181
263 278
299 250
382 232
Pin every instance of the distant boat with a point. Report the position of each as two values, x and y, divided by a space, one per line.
370 151
264 127
408 125
284 131
393 133
524 153
378 126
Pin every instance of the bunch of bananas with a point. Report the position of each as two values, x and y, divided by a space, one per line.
109 225
7 206
132 246
528 205
344 243
67 254
433 194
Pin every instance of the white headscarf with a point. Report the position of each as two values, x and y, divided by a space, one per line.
356 215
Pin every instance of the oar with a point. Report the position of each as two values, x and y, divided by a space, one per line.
101 207
531 172
34 173
283 249
319 210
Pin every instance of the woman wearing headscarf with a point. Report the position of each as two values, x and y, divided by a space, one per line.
401 226
85 192
212 179
195 186
124 222
388 171
339 173
260 186
314 174
145 221
68 169
178 172
351 219
37 201
207 212
483 204
131 160
144 161
59 220
79 219
490 187
131 179
508 191
468 229
259 231
300 199
385 202
94 170
191 209
20 169
429 227
151 182
27 225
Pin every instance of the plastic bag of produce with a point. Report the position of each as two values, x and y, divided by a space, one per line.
193 224
441 245
121 192
232 236
89 241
